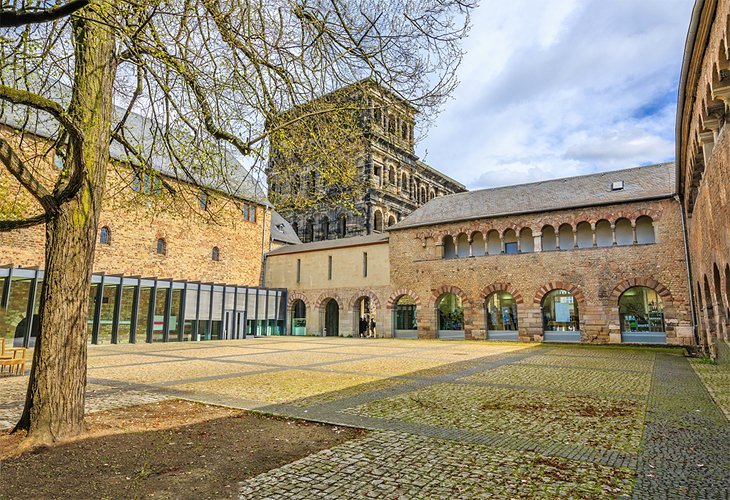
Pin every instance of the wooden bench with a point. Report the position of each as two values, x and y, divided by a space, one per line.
13 358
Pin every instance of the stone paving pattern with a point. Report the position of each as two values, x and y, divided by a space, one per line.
458 419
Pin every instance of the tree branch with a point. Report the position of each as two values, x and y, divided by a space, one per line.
14 18
39 102
26 178
10 225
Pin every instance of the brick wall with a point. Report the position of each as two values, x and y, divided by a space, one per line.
596 276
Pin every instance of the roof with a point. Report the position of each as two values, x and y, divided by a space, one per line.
648 182
282 231
228 176
372 239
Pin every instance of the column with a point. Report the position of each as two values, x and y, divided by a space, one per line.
633 232
613 234
575 238
537 239
593 230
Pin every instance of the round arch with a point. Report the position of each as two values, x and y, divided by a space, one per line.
669 309
405 316
393 299
322 300
294 296
501 311
363 293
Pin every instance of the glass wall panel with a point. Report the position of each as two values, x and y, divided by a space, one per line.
299 318
125 315
641 314
450 312
12 320
158 333
405 314
143 314
107 314
501 312
560 312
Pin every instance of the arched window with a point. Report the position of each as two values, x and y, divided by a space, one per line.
391 221
604 236
203 199
449 247
404 181
641 314
299 318
215 254
478 245
325 227
462 245
645 230
431 195
549 240
565 237
624 232
501 311
494 244
161 246
391 176
584 235
309 232
406 322
342 229
560 317
510 241
450 316
378 221
295 227
527 241
105 236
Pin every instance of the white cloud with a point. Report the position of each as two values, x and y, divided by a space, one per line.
558 88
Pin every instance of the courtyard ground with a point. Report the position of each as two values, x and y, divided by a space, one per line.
459 419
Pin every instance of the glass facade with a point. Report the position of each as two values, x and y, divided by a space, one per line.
126 309
642 316
560 317
450 313
501 310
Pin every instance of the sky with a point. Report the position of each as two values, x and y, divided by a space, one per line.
558 88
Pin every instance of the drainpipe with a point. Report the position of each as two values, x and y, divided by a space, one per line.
689 271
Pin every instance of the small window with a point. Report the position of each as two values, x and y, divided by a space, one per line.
252 213
161 247
244 209
329 267
136 184
215 254
364 264
105 236
617 185
299 270
203 200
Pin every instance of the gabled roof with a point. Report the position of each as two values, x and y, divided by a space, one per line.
228 176
649 182
372 239
282 231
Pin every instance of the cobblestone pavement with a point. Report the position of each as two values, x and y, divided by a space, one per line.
457 419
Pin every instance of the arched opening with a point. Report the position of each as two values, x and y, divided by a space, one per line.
391 221
215 254
501 311
641 315
624 232
527 241
295 227
378 221
325 227
549 240
450 314
645 230
105 236
604 236
405 321
449 247
161 246
391 176
298 317
560 317
365 318
477 244
510 241
462 245
431 195
709 313
494 243
565 237
727 292
718 300
331 318
404 181
342 228
309 233
584 234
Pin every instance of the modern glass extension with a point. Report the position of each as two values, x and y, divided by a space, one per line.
501 311
125 309
642 316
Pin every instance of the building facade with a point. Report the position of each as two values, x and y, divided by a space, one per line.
517 263
703 167
395 180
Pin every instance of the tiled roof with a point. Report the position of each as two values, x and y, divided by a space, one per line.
282 231
228 176
328 244
652 181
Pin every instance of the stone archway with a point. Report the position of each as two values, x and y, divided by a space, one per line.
667 301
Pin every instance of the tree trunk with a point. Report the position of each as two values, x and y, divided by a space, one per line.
54 405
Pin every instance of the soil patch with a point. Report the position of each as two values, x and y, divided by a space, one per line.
171 449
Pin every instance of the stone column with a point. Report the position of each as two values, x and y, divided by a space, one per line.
633 231
593 230
575 238
613 234
501 243
537 239
439 253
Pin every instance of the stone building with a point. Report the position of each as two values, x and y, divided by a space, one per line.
396 180
596 258
703 166
197 255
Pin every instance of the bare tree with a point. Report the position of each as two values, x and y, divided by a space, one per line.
206 76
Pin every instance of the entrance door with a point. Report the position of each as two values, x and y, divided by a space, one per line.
332 318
